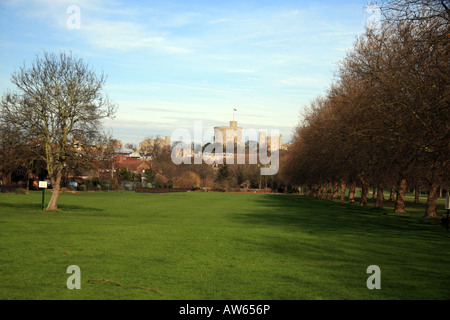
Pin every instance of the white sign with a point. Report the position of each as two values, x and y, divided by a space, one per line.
43 184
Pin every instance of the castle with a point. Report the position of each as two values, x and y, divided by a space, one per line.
234 134
231 133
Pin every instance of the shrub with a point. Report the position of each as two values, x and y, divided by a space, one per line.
104 187
20 191
114 185
218 187
188 179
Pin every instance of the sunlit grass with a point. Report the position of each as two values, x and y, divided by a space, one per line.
217 246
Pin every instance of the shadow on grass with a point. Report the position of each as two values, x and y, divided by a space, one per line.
314 215
61 208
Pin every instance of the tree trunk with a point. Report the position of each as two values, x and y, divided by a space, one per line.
431 211
336 191
380 196
352 192
324 191
6 177
364 193
392 194
329 192
374 192
342 191
416 195
401 190
56 183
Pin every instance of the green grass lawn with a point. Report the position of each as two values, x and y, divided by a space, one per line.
217 246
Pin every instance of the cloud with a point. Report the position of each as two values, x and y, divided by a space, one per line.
103 24
164 110
126 36
182 60
222 20
312 80
241 71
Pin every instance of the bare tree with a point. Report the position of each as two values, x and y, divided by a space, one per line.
416 10
131 146
60 102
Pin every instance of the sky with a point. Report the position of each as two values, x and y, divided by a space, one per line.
173 64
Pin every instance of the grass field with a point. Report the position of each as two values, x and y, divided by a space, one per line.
217 246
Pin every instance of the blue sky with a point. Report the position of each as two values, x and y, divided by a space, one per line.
170 63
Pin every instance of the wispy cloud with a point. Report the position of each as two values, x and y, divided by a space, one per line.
314 80
241 71
169 62
216 21
127 36
103 24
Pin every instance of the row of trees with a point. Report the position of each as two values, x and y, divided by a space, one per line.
385 120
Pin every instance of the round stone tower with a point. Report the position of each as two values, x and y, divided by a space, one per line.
233 132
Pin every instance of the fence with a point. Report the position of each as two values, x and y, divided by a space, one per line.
9 188
131 186
110 185
161 190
